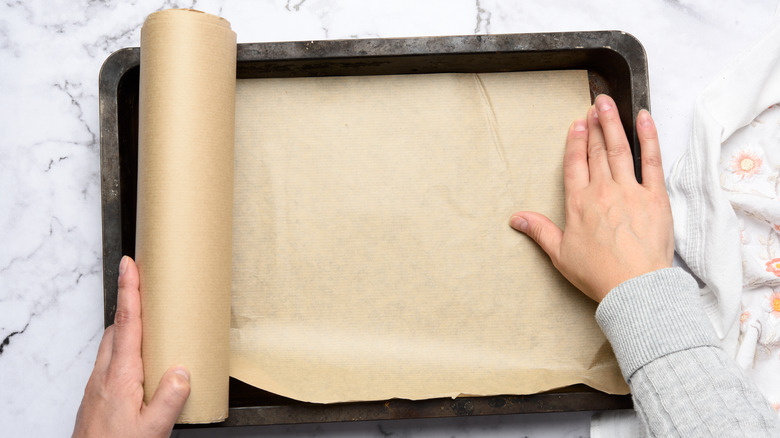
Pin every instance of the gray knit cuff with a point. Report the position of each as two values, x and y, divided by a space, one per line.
653 315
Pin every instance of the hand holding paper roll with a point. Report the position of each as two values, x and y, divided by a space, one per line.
113 400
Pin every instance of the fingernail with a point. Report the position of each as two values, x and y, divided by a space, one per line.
645 120
519 223
123 264
604 103
593 112
580 125
182 372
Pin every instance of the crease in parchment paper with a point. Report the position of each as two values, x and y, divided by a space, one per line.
490 115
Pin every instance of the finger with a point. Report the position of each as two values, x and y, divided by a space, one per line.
621 163
168 400
541 229
652 167
575 159
104 350
126 349
597 149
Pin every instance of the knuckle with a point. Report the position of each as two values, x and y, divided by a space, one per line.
604 196
611 116
618 150
536 231
661 202
652 161
119 381
179 387
573 158
96 386
122 317
574 206
595 149
539 234
647 134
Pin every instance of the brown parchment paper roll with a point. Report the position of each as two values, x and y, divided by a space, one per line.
184 219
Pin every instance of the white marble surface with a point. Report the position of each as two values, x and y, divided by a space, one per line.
50 230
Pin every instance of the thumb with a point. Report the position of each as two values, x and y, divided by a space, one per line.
541 229
168 400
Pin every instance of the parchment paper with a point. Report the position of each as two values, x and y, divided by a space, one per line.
185 184
371 256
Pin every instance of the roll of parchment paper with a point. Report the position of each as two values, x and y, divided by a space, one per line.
185 192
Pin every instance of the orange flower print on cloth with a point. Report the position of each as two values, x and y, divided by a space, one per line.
745 164
774 304
773 266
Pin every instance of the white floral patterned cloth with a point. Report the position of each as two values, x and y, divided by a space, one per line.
750 177
725 194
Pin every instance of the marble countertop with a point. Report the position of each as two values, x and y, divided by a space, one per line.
51 298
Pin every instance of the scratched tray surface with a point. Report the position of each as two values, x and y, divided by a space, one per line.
616 65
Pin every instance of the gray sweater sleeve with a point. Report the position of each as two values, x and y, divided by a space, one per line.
683 383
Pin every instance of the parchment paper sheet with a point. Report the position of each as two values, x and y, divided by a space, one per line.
371 252
185 184
371 256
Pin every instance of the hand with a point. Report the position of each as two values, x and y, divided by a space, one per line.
113 403
616 229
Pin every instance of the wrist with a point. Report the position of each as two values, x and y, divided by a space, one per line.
653 315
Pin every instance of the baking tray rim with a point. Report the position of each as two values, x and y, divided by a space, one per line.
619 44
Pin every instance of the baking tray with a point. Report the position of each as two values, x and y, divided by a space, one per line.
616 65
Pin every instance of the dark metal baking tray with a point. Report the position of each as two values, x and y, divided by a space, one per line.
616 65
